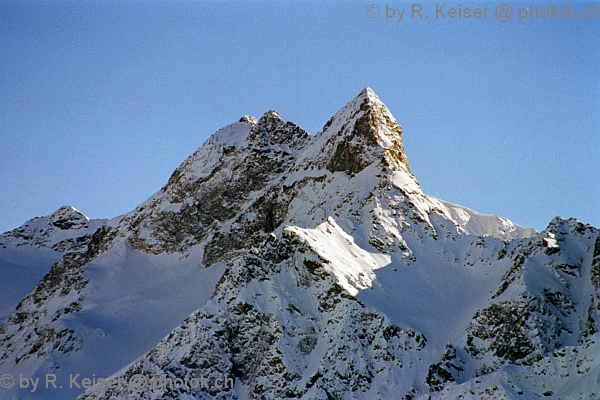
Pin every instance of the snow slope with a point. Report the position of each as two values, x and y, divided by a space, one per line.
28 252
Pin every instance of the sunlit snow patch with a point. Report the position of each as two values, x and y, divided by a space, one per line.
352 265
550 240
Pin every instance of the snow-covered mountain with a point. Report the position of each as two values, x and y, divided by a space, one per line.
278 264
28 252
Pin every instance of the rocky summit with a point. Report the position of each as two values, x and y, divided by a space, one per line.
279 264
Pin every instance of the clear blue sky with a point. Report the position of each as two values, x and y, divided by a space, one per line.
101 101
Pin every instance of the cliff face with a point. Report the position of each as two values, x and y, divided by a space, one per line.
313 266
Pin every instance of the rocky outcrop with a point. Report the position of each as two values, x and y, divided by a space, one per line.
362 133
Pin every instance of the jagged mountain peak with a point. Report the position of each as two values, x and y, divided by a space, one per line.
364 132
368 94
67 213
245 173
65 229
249 119
272 131
270 115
